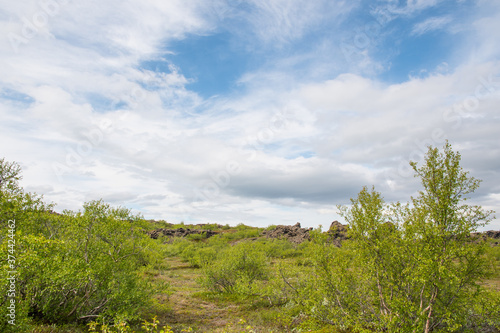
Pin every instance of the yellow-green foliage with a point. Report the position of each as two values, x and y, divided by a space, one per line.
75 266
235 269
123 327
277 248
410 268
420 273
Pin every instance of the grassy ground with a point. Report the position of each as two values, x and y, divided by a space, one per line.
190 306
494 254
186 306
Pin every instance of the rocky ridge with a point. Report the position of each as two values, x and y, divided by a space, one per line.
181 232
294 234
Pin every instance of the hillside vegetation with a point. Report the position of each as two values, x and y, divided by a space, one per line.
419 266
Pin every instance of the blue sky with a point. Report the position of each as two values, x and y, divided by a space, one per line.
213 63
254 111
405 43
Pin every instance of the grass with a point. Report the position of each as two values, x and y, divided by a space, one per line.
493 254
186 306
189 305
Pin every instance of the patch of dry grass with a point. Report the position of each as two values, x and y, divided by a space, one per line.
190 306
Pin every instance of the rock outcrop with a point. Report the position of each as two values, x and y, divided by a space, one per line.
337 233
485 235
492 234
294 234
181 232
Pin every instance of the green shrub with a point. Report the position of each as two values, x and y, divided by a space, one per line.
198 254
287 285
176 247
241 226
218 242
210 226
196 237
235 269
413 267
98 273
278 248
75 266
242 233
493 252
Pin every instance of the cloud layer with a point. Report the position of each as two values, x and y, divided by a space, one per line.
333 96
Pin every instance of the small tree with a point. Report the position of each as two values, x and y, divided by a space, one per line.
420 264
69 267
451 262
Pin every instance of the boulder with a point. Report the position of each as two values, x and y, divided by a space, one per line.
181 232
337 233
296 234
492 234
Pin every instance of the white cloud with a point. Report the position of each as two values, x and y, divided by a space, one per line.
421 4
407 8
431 24
487 31
302 140
283 21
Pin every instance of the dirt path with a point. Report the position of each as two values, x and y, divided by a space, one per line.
188 309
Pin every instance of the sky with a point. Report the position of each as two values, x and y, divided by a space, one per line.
246 111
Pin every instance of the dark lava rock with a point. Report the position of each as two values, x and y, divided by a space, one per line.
337 233
492 234
294 234
181 232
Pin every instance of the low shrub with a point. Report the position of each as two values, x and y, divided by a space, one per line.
278 248
175 247
235 269
242 233
70 267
